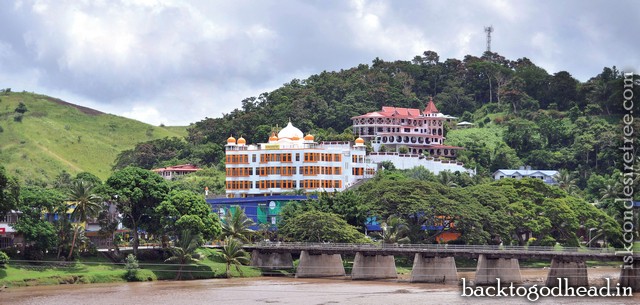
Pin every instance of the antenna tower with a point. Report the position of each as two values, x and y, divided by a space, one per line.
488 29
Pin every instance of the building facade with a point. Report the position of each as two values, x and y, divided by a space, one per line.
290 161
263 210
547 176
421 132
175 171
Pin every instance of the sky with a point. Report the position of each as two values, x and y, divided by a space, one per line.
178 62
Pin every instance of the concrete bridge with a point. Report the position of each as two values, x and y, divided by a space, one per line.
435 263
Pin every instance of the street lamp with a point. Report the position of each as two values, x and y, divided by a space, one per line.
589 243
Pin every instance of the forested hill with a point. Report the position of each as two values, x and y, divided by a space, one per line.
325 102
523 115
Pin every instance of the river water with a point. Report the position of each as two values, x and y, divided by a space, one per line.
281 290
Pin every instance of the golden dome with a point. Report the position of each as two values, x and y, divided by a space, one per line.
273 137
242 141
231 140
359 141
295 138
309 137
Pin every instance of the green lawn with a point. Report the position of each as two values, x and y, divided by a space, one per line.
101 270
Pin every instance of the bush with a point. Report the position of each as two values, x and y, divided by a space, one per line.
12 252
4 259
18 118
131 265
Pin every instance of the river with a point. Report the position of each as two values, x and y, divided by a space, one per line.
281 290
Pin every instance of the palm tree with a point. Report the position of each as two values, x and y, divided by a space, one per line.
610 190
87 205
394 231
447 179
237 224
233 254
565 180
184 251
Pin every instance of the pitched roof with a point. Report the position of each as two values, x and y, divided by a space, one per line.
431 107
178 168
526 172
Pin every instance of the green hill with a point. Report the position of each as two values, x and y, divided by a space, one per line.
54 135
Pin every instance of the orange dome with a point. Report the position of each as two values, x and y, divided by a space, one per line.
242 141
359 141
295 138
309 137
231 140
273 137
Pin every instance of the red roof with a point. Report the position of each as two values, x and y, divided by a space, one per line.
431 107
397 112
178 168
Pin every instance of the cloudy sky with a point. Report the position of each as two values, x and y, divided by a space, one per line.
177 62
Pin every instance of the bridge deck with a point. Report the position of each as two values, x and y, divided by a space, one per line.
467 251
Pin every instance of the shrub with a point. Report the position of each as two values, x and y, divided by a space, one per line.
18 118
131 265
4 259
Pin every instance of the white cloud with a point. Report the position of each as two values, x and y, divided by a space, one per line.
176 62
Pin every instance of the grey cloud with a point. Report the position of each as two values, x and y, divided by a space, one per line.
185 61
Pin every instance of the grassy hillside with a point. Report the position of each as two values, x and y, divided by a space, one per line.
54 136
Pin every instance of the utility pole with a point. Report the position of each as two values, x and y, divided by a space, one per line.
488 30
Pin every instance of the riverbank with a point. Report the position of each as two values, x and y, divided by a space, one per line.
101 270
88 270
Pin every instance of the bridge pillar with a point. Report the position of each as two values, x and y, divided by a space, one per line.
434 270
320 265
370 267
630 277
271 261
573 269
489 269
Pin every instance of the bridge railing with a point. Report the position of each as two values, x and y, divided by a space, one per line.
349 246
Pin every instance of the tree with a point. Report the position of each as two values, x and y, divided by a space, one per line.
139 191
9 192
39 234
87 205
184 251
185 210
394 231
236 224
316 226
232 254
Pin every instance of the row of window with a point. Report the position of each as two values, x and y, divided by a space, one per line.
283 184
284 171
237 159
357 159
286 157
238 185
360 171
315 157
320 170
239 172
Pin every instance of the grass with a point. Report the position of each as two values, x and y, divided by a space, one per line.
53 137
100 270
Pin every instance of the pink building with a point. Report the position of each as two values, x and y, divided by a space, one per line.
421 132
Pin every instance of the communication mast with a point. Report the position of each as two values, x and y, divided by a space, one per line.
488 29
